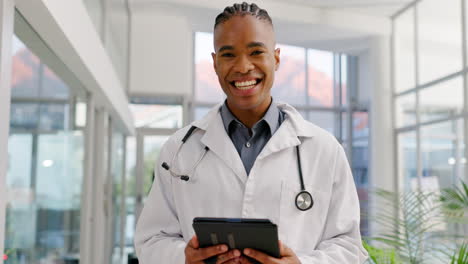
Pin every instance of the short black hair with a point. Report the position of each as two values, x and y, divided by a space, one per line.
242 10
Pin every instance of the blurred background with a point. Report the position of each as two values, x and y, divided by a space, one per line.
90 90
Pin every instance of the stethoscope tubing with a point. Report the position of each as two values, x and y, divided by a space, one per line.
304 200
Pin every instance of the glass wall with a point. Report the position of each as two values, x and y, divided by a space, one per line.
45 172
429 94
150 115
156 118
152 148
439 39
313 81
403 42
320 83
408 160
46 150
441 154
430 108
290 79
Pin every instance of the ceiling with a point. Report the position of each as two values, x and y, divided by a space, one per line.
345 28
385 8
378 8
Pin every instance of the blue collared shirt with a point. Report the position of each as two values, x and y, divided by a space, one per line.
250 142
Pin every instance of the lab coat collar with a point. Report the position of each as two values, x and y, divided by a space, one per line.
288 135
218 141
299 126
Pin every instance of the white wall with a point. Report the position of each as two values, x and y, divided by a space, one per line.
161 54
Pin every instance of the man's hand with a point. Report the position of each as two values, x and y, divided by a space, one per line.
287 256
196 255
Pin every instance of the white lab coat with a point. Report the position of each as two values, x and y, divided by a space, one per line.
327 233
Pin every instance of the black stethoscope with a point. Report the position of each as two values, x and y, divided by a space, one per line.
304 200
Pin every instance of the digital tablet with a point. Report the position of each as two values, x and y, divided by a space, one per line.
238 233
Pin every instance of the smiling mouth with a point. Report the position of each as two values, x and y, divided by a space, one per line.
245 85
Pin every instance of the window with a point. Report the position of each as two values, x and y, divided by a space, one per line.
157 116
154 113
429 94
429 123
320 87
439 39
207 89
441 100
289 85
45 172
404 53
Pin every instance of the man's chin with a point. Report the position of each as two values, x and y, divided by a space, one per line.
244 105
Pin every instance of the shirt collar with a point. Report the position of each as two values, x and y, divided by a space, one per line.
271 117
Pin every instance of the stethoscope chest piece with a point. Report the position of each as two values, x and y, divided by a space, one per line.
304 201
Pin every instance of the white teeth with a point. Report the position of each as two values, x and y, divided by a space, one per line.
245 85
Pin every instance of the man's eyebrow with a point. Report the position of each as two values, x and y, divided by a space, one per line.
256 45
227 47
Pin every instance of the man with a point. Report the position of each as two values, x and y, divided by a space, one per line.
240 161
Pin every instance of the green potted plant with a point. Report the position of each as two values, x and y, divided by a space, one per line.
461 255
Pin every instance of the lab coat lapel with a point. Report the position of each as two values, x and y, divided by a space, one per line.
219 143
285 137
288 134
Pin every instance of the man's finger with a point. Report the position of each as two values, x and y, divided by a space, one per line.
233 261
285 251
228 257
193 243
281 248
244 260
208 252
260 256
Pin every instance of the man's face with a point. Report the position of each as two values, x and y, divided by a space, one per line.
245 61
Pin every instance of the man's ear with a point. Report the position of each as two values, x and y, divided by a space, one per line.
213 55
277 58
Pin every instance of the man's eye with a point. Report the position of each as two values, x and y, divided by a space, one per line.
257 52
227 55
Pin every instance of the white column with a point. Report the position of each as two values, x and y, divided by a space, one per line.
123 205
6 35
108 193
99 235
87 199
140 171
382 143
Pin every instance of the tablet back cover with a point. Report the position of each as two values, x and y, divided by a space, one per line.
259 234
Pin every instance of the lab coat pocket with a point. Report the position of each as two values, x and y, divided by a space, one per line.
301 230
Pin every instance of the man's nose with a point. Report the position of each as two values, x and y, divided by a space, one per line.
243 65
